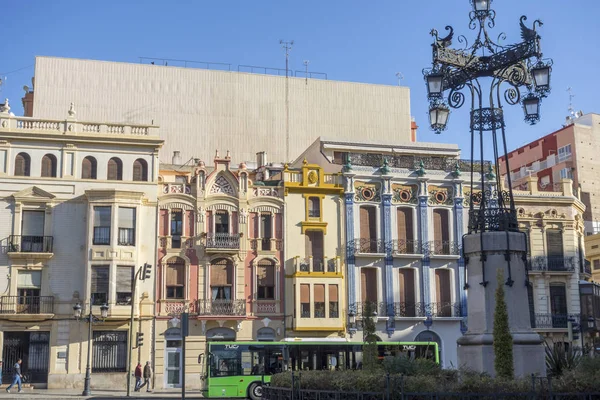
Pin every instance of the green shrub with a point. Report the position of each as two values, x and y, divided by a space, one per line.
503 344
559 360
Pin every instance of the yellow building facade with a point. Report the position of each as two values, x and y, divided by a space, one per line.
314 269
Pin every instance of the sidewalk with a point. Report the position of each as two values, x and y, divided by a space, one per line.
71 394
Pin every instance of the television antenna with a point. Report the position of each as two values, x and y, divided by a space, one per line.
400 77
306 62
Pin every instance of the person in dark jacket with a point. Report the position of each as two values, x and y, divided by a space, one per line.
147 376
18 376
138 377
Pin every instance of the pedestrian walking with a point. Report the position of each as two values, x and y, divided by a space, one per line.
17 377
138 377
147 376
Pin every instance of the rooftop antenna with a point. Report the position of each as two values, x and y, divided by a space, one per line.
287 46
400 77
306 62
573 115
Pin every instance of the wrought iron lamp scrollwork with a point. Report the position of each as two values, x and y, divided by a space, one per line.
518 74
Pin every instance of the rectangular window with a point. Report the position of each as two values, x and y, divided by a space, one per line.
334 305
304 301
596 265
126 226
564 153
124 285
99 287
319 301
566 173
266 229
32 231
314 248
222 222
265 278
109 350
29 284
314 207
175 280
102 224
176 228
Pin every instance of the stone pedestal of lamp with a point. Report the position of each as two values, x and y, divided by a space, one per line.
476 351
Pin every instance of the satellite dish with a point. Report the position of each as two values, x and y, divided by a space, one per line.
26 89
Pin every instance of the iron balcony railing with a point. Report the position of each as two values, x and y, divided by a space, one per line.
221 307
553 321
551 263
222 241
443 247
368 246
401 246
27 305
30 244
410 309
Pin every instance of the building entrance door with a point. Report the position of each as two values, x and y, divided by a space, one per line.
173 364
33 348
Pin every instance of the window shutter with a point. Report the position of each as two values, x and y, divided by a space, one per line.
304 293
99 279
369 284
265 272
368 223
220 273
124 278
254 224
140 170
554 242
278 226
163 222
48 166
319 293
308 244
175 272
317 245
234 222
86 169
440 225
333 293
22 165
29 280
363 285
127 217
442 283
33 223
115 170
407 286
405 225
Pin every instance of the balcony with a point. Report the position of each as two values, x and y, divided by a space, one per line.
262 307
218 242
552 321
312 264
444 248
413 310
27 247
368 246
408 247
176 188
11 306
172 306
551 264
265 244
221 308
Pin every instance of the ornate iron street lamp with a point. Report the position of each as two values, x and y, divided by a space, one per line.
511 69
90 318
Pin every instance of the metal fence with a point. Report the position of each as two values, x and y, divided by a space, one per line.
109 351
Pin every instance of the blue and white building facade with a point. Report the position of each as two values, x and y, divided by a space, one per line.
404 222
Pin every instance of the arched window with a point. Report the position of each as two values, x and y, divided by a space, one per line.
426 352
22 164
140 170
175 278
221 279
115 169
49 166
88 168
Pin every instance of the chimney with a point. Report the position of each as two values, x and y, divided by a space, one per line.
413 130
176 160
261 159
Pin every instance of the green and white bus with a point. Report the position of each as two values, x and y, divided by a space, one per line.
240 369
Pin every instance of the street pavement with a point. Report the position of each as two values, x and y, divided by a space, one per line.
71 394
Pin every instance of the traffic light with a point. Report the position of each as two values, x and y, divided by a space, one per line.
139 339
147 271
574 329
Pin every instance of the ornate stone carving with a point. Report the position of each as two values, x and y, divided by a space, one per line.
222 186
367 192
405 194
439 195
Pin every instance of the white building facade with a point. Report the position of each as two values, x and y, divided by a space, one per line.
77 218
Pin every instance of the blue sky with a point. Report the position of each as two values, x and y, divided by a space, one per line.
350 40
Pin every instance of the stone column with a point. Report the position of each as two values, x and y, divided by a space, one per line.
423 218
485 254
350 260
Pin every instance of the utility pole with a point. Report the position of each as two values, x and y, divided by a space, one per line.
287 46
306 62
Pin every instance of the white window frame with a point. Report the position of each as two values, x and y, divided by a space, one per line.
564 153
566 173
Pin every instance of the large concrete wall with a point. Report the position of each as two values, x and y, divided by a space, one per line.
200 111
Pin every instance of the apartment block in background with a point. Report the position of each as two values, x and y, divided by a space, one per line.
568 153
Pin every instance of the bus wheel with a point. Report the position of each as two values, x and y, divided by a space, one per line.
255 391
